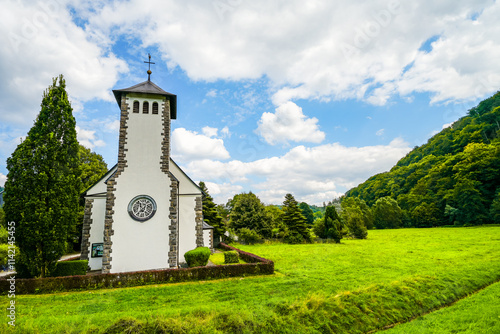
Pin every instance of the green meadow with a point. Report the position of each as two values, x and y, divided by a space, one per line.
479 313
355 287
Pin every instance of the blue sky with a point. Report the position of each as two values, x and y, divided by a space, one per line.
309 98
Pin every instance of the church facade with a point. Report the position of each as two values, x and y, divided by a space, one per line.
145 213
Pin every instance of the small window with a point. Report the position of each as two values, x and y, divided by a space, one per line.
155 108
145 108
136 107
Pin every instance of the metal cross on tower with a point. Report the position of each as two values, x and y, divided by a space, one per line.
149 67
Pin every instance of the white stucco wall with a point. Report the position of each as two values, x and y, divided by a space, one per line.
187 214
141 245
206 239
97 230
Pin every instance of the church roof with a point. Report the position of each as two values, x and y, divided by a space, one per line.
148 87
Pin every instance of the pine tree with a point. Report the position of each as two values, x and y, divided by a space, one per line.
43 184
295 221
210 214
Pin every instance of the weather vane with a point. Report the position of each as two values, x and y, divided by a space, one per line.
149 68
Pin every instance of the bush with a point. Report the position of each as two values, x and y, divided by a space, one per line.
71 268
4 250
231 257
248 236
197 257
4 235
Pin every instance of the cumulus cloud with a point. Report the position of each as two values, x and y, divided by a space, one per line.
88 138
209 131
3 179
189 145
314 50
316 173
288 123
221 193
39 41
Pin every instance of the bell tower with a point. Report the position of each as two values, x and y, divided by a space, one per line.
141 219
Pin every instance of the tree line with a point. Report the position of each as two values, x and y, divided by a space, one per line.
453 179
250 220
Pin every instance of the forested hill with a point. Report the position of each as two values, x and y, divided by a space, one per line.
452 179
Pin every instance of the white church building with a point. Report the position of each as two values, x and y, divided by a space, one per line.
145 213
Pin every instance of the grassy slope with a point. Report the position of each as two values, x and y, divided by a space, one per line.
357 286
479 313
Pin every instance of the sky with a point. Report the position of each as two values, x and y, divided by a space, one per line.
303 97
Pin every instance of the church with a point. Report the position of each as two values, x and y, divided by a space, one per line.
145 213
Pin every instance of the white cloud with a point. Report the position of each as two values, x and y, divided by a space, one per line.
225 132
88 138
39 41
315 50
447 125
189 145
311 174
289 123
3 179
212 93
209 131
380 132
221 193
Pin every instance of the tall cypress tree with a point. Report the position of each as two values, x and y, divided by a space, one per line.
43 183
295 221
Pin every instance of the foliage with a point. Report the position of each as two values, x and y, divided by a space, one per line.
3 222
495 208
356 287
248 236
275 217
334 226
210 213
308 213
350 203
247 211
387 213
355 221
70 268
294 221
197 257
43 183
458 168
231 257
4 235
4 252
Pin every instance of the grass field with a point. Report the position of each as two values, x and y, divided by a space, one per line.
479 313
357 286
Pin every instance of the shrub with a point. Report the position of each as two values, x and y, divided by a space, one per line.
231 257
197 257
71 268
248 236
4 250
4 235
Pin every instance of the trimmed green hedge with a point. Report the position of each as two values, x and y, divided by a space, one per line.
255 266
71 268
197 257
231 257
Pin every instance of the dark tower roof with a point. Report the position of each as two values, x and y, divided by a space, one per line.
147 87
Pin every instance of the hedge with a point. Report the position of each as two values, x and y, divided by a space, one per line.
197 257
70 268
231 257
255 266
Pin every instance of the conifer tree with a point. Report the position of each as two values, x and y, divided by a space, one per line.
210 214
295 221
43 184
